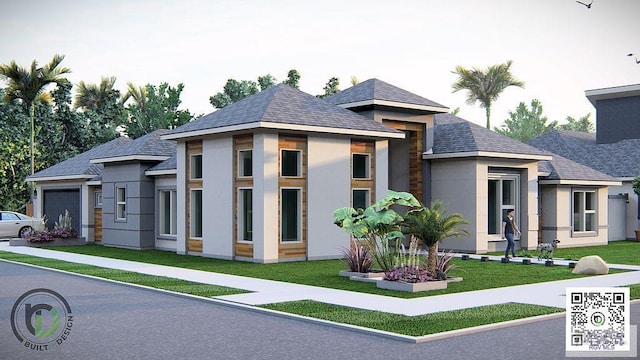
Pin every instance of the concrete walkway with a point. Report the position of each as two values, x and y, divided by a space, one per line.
268 291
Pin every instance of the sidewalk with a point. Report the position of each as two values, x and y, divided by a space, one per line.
268 291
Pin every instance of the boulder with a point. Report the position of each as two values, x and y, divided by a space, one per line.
593 265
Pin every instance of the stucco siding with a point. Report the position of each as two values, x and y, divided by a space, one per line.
265 207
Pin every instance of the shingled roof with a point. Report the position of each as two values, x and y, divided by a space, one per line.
283 107
80 166
562 169
619 160
378 92
454 135
148 147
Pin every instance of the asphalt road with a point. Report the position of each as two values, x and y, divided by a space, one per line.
113 321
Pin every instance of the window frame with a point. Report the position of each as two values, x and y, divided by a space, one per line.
368 199
501 178
192 159
191 212
299 191
584 212
367 166
299 172
241 219
121 204
98 199
173 213
240 173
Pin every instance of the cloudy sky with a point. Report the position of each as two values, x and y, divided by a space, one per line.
559 48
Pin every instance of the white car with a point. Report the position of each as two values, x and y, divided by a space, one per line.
14 224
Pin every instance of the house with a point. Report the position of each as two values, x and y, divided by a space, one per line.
614 149
259 179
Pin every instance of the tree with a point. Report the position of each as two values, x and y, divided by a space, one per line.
234 91
432 225
332 87
28 86
584 124
102 109
485 86
525 124
293 79
153 108
354 80
266 81
93 96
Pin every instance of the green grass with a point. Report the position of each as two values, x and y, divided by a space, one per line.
324 273
616 252
158 282
414 325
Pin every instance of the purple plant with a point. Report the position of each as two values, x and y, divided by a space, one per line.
64 233
39 236
408 274
358 257
444 265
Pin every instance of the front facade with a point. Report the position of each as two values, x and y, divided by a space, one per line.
259 179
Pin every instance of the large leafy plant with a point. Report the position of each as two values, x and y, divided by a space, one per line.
379 226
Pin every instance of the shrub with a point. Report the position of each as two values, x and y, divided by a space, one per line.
444 265
62 228
408 274
358 257
39 236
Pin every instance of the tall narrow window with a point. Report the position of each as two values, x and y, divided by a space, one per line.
98 199
503 193
361 166
291 215
121 203
360 198
196 167
168 213
584 210
245 163
245 223
196 213
291 163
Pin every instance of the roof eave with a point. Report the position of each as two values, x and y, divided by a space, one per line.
161 172
580 182
428 156
60 178
129 158
435 109
612 93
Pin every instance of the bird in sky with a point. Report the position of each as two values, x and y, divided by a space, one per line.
587 5
635 57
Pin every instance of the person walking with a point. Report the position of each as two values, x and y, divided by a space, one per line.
509 229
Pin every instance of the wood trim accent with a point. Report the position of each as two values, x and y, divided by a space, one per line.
193 148
364 147
416 148
297 249
97 216
240 142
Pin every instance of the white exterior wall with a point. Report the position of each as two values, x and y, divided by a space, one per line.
181 189
265 200
328 174
631 216
381 169
217 197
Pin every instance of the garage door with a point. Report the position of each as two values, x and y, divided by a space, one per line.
55 202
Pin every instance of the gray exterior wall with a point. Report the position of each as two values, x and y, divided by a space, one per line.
138 230
617 119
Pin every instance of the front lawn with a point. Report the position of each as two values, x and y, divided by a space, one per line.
616 252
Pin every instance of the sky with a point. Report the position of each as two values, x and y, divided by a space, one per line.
559 48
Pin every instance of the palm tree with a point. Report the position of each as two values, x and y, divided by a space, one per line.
28 85
431 225
137 93
94 96
486 85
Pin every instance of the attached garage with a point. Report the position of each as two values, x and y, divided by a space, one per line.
56 201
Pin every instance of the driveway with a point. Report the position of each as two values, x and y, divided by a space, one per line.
114 321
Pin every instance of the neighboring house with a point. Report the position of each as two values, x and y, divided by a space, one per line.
259 179
614 149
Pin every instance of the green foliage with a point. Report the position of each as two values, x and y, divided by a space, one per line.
293 79
485 86
584 124
526 123
455 111
234 91
635 184
357 257
266 81
332 87
154 107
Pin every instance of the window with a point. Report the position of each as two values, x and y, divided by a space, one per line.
245 217
245 163
196 213
196 167
9 216
121 203
361 166
291 215
360 198
291 163
98 199
168 213
503 195
584 210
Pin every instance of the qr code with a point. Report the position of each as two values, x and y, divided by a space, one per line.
598 319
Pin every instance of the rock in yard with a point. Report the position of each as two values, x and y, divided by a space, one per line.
593 265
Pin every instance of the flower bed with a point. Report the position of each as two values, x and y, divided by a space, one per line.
417 286
52 242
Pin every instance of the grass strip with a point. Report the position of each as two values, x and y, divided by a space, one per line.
158 282
616 252
414 325
324 273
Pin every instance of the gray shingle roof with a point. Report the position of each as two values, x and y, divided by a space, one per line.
374 89
81 164
283 104
620 160
561 168
456 135
148 145
169 164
